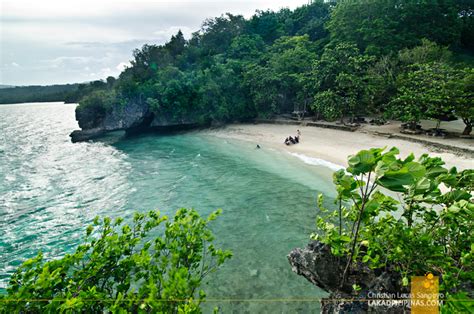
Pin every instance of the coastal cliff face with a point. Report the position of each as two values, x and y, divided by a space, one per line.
318 265
133 117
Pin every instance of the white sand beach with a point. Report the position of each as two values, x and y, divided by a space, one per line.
329 144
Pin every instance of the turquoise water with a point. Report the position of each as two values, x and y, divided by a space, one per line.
51 189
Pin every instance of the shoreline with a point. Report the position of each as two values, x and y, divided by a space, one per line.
330 145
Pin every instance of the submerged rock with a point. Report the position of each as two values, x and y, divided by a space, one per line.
318 265
254 272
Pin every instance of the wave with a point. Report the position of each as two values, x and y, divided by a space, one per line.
317 162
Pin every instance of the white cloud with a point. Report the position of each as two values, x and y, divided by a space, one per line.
105 72
122 66
15 64
76 36
66 61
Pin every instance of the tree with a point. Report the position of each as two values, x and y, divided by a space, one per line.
217 33
110 82
343 58
427 52
310 19
461 90
171 95
383 27
176 45
266 24
382 82
19 94
327 104
467 30
246 47
276 84
343 72
423 93
151 265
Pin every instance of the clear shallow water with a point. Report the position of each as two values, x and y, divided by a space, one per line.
51 189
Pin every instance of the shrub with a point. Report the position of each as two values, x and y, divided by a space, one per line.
123 268
428 229
100 101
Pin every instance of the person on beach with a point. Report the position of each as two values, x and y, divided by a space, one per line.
297 137
292 140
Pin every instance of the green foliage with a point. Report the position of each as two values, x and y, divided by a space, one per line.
331 59
151 265
340 76
384 27
427 228
382 75
382 82
433 91
327 104
461 92
98 100
277 85
217 34
427 52
19 94
88 88
334 59
457 303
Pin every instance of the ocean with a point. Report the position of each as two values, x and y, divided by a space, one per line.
51 189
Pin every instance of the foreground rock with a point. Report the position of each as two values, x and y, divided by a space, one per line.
316 263
133 117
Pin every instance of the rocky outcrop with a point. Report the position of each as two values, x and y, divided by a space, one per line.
85 135
133 117
130 116
318 265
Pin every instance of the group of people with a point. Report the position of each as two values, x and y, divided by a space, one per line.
290 140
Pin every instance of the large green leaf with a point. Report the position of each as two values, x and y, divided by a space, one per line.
415 169
361 163
396 180
456 195
422 185
435 171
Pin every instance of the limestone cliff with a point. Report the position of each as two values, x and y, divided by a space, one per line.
133 117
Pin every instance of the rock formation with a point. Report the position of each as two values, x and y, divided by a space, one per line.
318 265
133 117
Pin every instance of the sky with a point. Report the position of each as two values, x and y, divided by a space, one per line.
45 42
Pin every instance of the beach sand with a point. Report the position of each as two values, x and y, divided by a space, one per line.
328 144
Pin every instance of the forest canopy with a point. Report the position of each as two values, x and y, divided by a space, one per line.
19 94
336 60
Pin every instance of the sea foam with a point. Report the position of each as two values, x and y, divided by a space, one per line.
317 161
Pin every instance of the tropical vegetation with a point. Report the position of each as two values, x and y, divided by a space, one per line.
151 264
409 215
337 60
20 94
